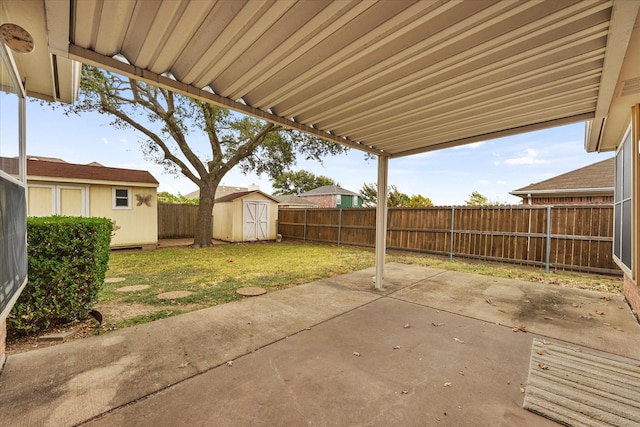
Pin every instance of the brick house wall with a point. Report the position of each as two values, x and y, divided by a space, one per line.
571 200
322 201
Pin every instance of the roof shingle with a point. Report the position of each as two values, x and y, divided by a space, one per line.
600 175
62 170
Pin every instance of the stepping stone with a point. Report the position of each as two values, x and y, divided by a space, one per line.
251 291
57 337
114 280
132 288
174 295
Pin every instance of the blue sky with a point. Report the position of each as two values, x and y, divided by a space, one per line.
492 167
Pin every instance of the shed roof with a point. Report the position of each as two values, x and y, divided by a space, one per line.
328 190
242 194
390 77
63 170
598 176
221 191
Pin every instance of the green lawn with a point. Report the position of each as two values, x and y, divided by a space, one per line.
212 275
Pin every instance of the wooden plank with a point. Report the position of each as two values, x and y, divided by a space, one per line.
581 235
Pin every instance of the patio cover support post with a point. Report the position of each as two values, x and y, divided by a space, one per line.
381 220
22 140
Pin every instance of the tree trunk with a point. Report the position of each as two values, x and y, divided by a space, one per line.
204 222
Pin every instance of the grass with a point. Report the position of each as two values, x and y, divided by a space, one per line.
214 274
594 282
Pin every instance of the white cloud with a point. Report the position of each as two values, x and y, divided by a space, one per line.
105 141
500 182
123 140
484 182
529 156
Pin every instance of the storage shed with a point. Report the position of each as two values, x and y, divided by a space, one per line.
128 197
246 216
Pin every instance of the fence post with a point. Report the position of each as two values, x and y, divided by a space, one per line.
304 230
548 238
339 225
452 231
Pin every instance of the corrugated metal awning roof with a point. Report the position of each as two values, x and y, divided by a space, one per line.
390 77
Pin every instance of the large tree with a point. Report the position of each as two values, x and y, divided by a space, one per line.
478 199
194 138
290 182
395 198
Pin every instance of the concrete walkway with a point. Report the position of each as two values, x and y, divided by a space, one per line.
434 348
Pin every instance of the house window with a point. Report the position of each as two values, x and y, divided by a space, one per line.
121 198
338 199
622 211
355 201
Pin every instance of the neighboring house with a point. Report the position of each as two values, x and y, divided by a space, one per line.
333 196
224 190
126 196
592 184
290 201
245 217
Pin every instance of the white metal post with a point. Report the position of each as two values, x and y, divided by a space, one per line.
22 141
381 220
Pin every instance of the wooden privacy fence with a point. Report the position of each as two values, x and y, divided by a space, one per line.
176 221
568 237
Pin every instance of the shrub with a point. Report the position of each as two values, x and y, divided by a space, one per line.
67 262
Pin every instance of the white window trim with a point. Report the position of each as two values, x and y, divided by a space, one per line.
84 195
54 206
129 197
55 196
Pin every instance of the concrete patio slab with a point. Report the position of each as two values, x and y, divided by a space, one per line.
70 383
593 319
294 363
313 378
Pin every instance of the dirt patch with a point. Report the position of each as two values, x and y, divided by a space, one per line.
21 344
112 312
114 280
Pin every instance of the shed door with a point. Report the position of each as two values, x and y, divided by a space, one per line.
255 217
71 201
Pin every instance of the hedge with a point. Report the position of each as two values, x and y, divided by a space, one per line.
67 261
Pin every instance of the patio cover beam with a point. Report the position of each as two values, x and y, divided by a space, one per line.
90 57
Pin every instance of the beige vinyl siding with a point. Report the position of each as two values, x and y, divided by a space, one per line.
223 221
137 226
228 221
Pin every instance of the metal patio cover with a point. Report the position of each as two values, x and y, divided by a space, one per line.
394 77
